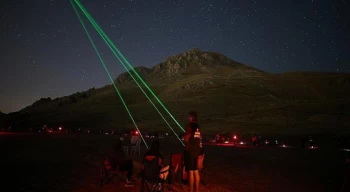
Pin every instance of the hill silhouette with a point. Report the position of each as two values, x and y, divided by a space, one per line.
228 95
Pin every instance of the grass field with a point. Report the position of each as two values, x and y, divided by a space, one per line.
71 162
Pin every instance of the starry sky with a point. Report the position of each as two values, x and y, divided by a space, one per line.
45 52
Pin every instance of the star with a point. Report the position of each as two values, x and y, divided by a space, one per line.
259 34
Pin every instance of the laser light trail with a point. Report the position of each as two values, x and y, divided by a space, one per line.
104 37
109 75
126 61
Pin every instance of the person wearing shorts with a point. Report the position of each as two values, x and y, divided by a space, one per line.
192 151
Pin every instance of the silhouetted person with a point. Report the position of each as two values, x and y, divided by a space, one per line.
254 140
118 160
192 151
154 151
217 138
152 164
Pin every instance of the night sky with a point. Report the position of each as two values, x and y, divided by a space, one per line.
45 52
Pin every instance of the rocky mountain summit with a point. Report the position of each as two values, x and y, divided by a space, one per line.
193 61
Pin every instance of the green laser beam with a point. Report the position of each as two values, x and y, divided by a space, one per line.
142 90
126 61
140 87
109 75
135 80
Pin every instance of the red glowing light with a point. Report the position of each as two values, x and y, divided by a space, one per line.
235 137
60 128
136 132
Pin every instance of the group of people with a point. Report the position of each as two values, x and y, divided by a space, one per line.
193 149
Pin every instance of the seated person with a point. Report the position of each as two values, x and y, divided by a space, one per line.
154 169
117 160
154 151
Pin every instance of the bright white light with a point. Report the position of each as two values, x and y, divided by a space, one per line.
241 143
313 147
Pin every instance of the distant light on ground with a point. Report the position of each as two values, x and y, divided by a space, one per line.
313 147
285 146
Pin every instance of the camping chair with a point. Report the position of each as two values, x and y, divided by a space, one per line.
109 174
152 177
136 147
176 169
201 169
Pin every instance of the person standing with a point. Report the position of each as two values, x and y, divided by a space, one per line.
193 147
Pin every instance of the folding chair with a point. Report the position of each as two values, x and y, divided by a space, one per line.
201 169
176 169
152 177
109 174
136 147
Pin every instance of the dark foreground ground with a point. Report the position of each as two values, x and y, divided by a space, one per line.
71 162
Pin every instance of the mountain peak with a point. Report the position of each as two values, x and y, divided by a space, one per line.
193 61
193 51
